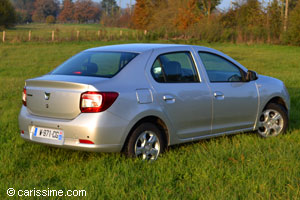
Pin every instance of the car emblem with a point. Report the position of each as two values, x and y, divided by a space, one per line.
47 96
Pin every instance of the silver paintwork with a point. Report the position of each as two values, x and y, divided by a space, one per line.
190 111
147 146
269 88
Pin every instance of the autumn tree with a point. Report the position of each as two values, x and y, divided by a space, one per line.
250 19
23 4
24 10
142 14
187 15
181 13
274 20
50 19
85 11
228 19
294 26
109 7
44 8
67 13
292 4
286 7
122 18
246 21
207 6
125 18
7 14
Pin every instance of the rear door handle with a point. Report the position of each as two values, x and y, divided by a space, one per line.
169 98
218 95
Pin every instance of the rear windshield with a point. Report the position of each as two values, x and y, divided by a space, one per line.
95 63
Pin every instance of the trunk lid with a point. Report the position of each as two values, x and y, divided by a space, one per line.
58 96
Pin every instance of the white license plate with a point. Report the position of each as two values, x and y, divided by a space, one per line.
48 133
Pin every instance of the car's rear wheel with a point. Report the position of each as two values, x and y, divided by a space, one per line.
145 142
273 120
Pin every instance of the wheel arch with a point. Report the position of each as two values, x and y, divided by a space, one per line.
156 121
277 100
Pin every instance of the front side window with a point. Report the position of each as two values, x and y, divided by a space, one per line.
219 69
94 63
177 67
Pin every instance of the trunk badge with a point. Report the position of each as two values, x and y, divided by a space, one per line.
47 96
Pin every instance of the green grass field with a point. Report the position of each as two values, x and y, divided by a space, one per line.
243 166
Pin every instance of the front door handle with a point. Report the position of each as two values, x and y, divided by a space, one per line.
169 98
219 95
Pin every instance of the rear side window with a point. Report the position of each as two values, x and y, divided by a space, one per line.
177 67
99 64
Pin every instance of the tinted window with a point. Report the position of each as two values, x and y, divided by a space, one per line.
174 68
102 64
219 69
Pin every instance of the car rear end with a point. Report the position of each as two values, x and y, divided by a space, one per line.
68 107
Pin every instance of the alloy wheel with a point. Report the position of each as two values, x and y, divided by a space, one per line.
271 123
147 146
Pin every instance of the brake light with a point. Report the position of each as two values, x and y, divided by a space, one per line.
24 97
85 141
91 102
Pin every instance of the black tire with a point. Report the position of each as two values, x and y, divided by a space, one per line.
282 122
150 131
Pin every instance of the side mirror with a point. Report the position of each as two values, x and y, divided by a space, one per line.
251 75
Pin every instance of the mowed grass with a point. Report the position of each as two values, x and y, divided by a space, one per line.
243 166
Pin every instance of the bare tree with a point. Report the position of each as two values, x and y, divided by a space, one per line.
286 15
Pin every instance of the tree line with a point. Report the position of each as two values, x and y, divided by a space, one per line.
75 11
274 21
251 21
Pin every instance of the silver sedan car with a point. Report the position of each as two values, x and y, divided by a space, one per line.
141 98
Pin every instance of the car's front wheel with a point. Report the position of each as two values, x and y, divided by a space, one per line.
145 142
273 120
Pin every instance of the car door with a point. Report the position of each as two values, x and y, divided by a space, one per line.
235 101
184 98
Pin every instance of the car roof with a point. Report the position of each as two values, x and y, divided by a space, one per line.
138 47
143 47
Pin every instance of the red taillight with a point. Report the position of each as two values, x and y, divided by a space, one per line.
22 132
24 97
97 101
85 141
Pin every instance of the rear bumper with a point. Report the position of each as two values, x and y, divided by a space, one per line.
105 130
75 145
